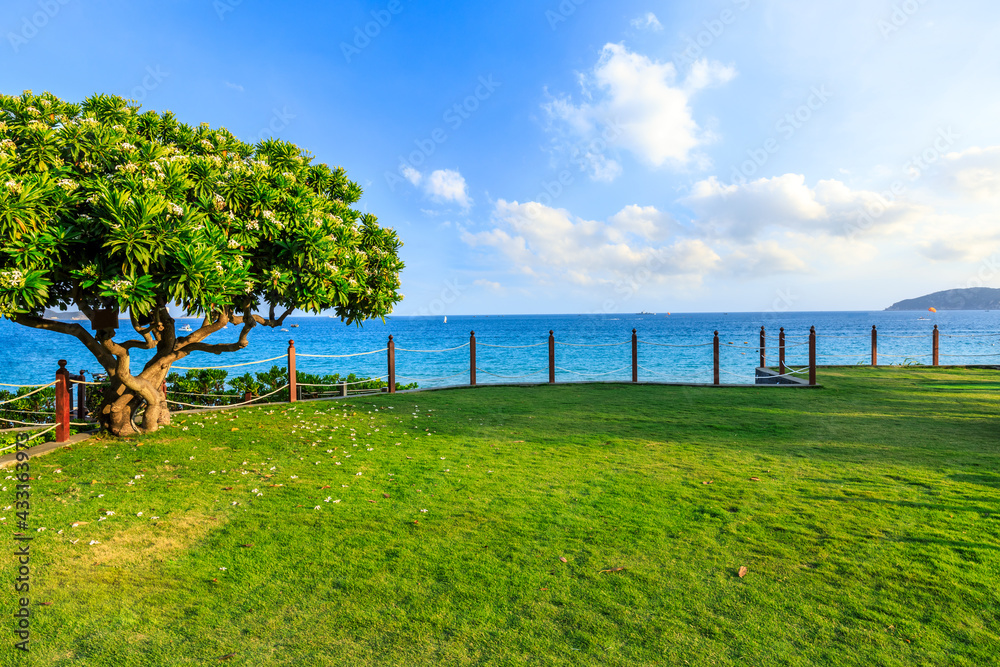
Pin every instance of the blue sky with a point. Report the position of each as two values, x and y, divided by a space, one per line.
583 156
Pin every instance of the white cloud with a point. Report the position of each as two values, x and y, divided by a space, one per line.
446 185
763 259
488 284
635 103
974 172
411 174
234 86
442 186
647 222
649 21
552 244
745 211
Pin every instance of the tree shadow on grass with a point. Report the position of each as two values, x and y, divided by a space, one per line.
992 481
987 509
955 544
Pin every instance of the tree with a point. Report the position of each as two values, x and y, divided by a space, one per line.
107 209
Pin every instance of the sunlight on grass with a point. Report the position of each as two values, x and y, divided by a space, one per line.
585 524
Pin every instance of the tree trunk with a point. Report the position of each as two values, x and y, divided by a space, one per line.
118 411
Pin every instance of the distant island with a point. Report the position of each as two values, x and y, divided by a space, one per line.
970 298
65 315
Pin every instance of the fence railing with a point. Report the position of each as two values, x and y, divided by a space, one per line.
61 417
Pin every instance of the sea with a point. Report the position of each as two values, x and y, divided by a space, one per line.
434 352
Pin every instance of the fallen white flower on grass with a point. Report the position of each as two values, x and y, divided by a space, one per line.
138 513
93 542
316 508
336 501
423 510
359 475
223 569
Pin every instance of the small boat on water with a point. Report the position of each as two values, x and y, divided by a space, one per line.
294 326
186 327
446 319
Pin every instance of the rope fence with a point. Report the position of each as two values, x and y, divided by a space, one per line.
374 384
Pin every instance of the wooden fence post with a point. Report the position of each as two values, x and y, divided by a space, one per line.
635 356
763 348
552 357
292 388
874 346
62 402
472 358
392 365
937 343
812 355
715 346
781 351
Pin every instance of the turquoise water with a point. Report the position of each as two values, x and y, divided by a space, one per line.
29 356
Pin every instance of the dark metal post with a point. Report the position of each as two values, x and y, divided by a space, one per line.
81 398
874 346
472 358
812 355
715 346
781 351
293 394
635 356
392 365
763 348
62 402
937 341
552 357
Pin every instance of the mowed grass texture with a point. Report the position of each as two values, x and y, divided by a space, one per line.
431 528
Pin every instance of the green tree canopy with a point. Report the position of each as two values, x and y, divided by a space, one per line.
104 206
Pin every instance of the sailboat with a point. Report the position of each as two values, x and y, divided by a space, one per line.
446 319
186 327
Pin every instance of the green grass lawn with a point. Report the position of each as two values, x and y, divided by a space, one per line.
479 527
